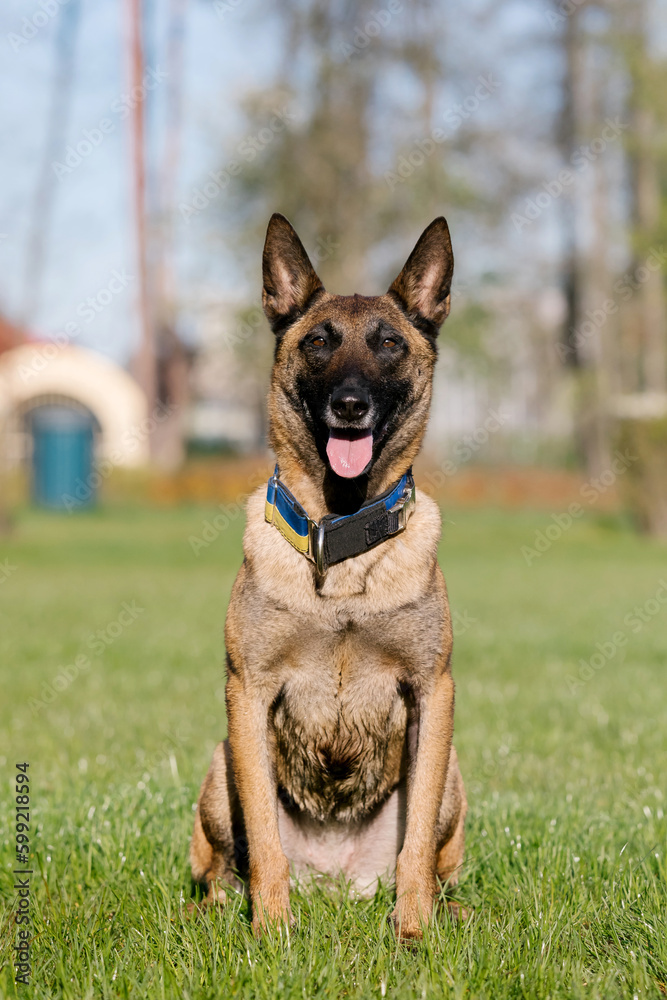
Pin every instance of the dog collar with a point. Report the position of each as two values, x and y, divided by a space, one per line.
335 538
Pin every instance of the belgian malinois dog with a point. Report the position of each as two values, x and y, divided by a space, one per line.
340 698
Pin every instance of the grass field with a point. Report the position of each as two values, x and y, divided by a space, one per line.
566 834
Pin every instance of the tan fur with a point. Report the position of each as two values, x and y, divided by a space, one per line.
340 698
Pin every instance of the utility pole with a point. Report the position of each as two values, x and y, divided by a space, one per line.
145 360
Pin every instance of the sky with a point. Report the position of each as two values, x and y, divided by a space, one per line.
90 242
90 274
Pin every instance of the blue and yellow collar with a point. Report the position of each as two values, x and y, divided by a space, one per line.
335 538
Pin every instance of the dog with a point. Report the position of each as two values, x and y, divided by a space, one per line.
340 698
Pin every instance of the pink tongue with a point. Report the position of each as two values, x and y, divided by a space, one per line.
348 456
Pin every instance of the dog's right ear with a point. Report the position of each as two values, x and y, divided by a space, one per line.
423 286
290 281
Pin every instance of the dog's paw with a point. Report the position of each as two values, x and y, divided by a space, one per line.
271 907
415 896
405 929
412 912
263 921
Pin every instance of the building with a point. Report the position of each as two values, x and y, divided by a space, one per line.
42 381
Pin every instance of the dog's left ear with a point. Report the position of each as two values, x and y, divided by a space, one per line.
423 286
289 278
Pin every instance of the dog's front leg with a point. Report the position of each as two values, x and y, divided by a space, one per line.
415 867
247 713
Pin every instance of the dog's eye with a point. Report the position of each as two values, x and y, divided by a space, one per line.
389 342
318 342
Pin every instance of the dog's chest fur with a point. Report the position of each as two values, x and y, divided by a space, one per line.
341 659
340 723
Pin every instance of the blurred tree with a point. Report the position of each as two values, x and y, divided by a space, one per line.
163 360
324 170
586 107
345 143
642 407
359 158
647 149
615 331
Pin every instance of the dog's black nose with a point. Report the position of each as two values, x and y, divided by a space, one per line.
350 403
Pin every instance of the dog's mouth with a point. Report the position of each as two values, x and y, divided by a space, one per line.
350 452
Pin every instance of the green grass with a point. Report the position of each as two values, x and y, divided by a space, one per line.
566 832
